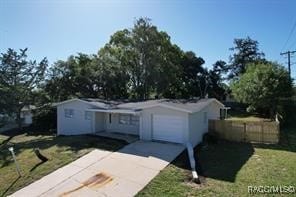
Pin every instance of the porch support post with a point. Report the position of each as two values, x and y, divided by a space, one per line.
140 126
93 122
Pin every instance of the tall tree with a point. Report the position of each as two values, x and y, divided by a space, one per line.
146 55
217 88
92 76
262 86
245 51
19 77
112 78
195 77
61 83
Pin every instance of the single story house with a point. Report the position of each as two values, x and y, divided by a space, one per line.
178 121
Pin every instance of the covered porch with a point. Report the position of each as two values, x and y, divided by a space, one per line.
116 123
129 138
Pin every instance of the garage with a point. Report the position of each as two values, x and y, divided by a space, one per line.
168 128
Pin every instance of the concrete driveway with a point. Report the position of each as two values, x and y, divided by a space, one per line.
104 173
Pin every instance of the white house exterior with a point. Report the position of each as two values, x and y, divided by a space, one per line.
178 121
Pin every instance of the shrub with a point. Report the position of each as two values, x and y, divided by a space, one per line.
45 119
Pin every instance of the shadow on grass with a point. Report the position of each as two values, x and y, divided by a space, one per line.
287 140
36 166
10 186
220 161
67 143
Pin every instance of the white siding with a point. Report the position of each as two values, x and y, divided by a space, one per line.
114 126
214 110
146 128
197 126
75 125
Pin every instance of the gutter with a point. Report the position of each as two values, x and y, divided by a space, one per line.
192 162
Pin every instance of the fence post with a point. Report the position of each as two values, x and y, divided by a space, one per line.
262 132
278 131
245 132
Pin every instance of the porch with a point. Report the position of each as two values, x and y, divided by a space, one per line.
114 123
129 138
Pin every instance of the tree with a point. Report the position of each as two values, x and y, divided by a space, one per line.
195 77
91 76
112 76
137 63
217 88
62 79
262 86
245 51
19 78
148 57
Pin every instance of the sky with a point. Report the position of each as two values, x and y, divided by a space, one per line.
57 29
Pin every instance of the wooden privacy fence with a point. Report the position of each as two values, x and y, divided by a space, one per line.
249 131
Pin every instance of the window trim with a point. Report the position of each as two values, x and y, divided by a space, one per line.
68 113
131 119
88 115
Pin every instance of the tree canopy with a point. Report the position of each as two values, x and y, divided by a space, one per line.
246 51
19 78
262 86
137 63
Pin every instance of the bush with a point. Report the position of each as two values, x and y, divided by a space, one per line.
287 110
45 119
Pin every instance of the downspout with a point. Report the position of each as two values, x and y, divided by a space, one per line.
192 162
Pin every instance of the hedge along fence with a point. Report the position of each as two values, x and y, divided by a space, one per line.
249 131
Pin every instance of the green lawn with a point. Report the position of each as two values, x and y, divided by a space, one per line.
60 151
244 116
229 168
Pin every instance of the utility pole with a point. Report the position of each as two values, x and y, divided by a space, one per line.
289 59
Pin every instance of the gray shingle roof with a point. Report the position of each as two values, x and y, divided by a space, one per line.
188 105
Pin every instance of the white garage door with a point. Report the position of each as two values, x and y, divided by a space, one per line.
168 128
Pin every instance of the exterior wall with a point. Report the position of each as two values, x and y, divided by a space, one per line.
214 111
197 126
147 117
114 126
75 125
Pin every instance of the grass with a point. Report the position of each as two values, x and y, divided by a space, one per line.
245 116
60 151
229 168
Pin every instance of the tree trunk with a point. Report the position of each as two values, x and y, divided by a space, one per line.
19 120
272 112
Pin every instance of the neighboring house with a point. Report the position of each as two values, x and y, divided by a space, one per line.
168 120
27 114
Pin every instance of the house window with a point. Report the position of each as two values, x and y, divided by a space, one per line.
128 119
87 115
134 120
69 113
205 114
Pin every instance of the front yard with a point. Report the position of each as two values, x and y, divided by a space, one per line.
229 169
60 151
